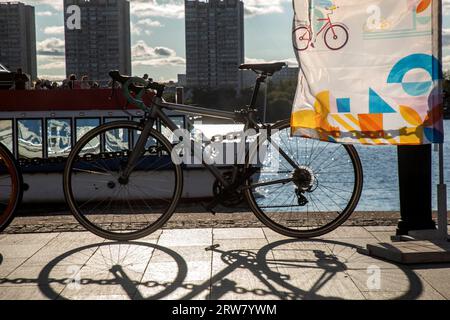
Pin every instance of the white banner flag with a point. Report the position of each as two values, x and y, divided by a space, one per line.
367 72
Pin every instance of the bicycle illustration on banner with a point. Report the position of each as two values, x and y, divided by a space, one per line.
335 35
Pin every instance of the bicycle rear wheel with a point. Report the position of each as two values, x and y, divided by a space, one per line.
114 208
303 188
302 38
10 187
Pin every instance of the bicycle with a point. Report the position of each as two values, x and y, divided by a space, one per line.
335 35
121 184
11 190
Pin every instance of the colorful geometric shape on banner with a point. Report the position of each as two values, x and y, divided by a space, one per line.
377 104
343 105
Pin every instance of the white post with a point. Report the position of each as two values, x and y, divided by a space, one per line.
265 99
442 187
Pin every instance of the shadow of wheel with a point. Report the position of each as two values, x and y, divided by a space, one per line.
112 265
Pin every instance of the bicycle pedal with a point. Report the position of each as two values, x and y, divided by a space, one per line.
213 247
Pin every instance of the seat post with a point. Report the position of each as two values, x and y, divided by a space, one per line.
261 79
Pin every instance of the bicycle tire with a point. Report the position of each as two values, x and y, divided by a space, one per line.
83 219
307 41
324 229
13 171
338 26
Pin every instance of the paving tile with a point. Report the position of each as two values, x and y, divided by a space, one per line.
321 284
243 284
170 271
240 244
8 265
240 275
347 253
395 281
153 236
317 259
348 232
50 284
294 244
195 253
188 237
98 292
382 236
84 238
187 290
28 238
391 229
67 254
438 276
121 254
22 293
238 233
101 281
392 295
273 236
20 250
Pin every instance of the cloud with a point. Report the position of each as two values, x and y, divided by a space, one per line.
44 13
54 30
137 30
51 65
262 7
175 8
55 4
142 54
51 47
154 8
150 23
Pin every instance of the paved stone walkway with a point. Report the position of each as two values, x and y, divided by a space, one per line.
211 263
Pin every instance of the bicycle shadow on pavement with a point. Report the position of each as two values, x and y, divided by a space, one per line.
285 270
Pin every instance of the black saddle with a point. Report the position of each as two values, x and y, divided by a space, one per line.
264 68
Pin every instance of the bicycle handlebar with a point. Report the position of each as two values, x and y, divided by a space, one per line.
138 86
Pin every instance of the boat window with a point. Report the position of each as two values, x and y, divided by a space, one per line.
59 137
112 119
117 140
6 134
29 135
179 122
150 142
84 125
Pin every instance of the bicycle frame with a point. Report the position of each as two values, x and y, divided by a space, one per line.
246 117
326 25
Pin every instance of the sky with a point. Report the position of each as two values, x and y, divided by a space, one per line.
157 35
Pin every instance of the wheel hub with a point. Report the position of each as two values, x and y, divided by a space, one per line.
304 178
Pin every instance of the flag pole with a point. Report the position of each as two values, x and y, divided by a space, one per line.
442 187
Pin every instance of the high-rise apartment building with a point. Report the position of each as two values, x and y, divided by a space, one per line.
214 43
18 37
102 42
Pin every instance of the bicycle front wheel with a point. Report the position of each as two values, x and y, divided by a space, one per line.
336 37
10 187
303 188
107 204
